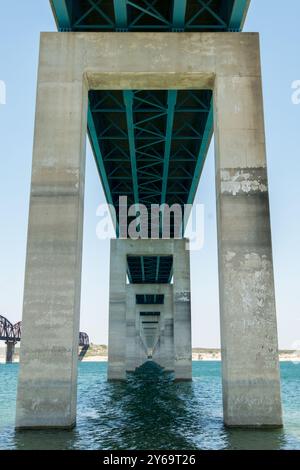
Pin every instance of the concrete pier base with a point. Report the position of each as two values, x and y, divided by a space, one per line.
10 351
127 347
251 382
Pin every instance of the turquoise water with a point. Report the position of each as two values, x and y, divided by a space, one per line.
151 412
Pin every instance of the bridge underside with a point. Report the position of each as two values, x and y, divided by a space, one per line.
150 146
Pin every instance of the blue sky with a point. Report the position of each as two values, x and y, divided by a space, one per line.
278 24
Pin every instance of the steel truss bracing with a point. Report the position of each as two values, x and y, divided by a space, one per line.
150 145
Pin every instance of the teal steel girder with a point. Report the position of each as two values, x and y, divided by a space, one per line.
150 15
128 99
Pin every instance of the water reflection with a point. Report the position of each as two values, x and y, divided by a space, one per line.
151 411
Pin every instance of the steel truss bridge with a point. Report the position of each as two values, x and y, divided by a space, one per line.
150 145
12 333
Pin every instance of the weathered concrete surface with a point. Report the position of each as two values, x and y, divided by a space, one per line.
251 383
10 351
50 325
72 63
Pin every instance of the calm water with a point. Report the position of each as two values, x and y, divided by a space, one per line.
151 412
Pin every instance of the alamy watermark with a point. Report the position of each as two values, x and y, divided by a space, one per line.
2 92
152 222
295 347
296 92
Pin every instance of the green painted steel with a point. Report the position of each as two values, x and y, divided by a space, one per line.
179 12
208 131
120 9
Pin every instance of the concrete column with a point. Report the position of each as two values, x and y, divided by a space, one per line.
117 312
251 385
10 351
182 310
50 326
135 354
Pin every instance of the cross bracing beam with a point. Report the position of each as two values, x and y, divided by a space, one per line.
145 270
205 7
147 9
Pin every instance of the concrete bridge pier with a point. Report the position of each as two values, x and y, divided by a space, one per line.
10 351
125 347
251 382
164 353
70 65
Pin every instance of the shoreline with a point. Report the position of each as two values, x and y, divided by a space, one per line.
195 358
